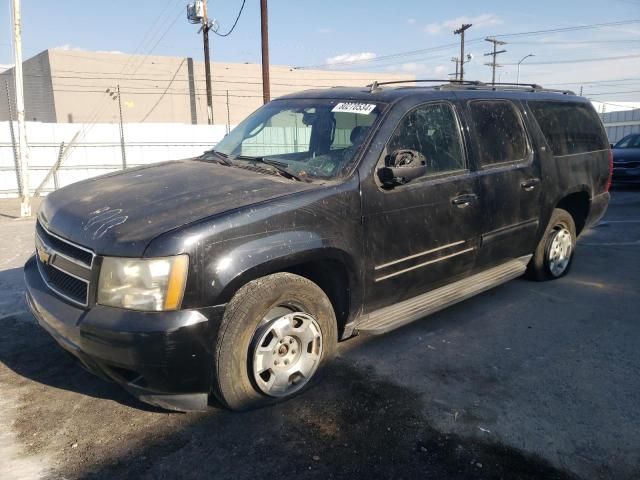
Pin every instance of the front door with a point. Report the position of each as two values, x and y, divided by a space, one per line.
424 233
509 181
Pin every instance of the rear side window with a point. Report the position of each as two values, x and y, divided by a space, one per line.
501 137
569 127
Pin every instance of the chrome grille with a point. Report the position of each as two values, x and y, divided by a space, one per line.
64 266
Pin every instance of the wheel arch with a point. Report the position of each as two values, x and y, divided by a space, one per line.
577 203
331 269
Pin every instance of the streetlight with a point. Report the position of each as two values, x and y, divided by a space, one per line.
522 60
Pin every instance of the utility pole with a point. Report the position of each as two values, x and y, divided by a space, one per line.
16 152
197 14
115 95
460 31
122 148
456 61
264 28
494 54
228 115
25 204
207 63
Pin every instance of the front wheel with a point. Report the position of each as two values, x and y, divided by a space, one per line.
276 334
554 253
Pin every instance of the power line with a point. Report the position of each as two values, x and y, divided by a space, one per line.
614 93
163 94
234 23
581 60
577 42
99 108
386 57
597 81
475 40
569 29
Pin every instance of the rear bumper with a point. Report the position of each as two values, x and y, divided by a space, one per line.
599 205
162 358
626 180
623 176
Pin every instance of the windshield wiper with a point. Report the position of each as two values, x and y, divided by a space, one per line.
221 157
281 167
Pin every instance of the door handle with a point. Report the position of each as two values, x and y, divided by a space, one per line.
463 201
529 185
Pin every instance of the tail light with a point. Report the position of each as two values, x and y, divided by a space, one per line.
608 186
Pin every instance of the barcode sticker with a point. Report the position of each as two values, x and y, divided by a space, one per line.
350 107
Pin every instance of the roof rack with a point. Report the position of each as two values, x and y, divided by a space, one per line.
472 84
375 85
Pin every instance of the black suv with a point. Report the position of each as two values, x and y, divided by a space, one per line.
323 214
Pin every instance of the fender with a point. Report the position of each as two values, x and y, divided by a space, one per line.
278 235
239 263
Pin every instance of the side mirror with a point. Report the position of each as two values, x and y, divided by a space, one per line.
611 146
402 166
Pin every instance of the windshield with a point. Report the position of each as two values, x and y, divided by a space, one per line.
632 141
309 138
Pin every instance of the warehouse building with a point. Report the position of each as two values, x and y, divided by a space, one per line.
621 123
67 86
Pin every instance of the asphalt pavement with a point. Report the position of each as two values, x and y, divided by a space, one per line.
529 380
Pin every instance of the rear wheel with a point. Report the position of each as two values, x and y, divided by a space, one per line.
554 254
276 334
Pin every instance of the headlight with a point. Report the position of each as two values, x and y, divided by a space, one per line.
152 284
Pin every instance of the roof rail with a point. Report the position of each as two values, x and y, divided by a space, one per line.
529 87
375 86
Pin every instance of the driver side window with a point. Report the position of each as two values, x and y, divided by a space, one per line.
431 130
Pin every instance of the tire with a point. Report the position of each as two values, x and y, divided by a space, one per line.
553 256
272 305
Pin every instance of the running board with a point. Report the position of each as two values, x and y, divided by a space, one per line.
394 316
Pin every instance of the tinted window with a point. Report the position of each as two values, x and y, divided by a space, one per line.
433 131
569 127
501 137
632 141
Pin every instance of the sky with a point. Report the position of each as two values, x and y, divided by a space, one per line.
360 35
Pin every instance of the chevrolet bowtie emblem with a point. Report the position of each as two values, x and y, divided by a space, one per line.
45 254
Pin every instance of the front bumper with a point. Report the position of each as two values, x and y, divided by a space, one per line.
162 358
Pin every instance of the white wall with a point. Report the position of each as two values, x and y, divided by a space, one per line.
97 149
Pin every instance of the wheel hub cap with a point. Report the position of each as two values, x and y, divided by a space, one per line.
560 251
287 352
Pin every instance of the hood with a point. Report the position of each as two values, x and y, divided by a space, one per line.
120 213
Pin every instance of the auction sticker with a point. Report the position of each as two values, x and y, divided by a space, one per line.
352 107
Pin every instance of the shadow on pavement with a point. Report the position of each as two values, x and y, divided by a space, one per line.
352 425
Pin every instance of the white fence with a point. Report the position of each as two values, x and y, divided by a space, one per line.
97 149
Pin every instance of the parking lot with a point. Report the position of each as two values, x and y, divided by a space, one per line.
529 380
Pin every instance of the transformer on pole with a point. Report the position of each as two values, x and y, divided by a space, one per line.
197 14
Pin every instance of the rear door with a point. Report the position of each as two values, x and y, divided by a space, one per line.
509 180
422 234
